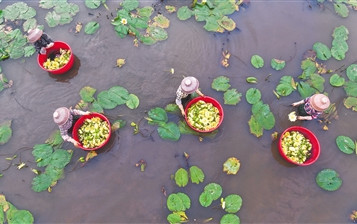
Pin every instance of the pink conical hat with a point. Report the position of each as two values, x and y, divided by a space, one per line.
320 102
189 84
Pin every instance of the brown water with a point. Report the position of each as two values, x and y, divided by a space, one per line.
110 189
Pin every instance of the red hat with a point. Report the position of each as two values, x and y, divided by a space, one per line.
189 84
61 115
320 102
34 35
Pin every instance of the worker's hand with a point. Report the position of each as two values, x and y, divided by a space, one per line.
87 112
50 45
76 144
294 104
309 118
183 113
43 50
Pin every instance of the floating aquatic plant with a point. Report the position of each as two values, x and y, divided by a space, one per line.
286 86
63 12
342 7
277 64
231 166
5 132
11 215
257 61
91 27
329 180
166 130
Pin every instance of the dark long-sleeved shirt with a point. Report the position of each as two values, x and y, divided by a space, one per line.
42 42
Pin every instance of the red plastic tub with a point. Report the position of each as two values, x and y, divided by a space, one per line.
41 58
315 150
207 99
80 122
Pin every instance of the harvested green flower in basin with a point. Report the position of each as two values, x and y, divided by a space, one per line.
296 147
93 132
59 61
203 116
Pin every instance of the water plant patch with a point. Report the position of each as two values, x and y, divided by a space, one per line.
231 165
11 215
62 13
346 144
329 180
5 132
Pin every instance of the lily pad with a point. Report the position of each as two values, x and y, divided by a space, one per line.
257 61
42 154
91 27
157 33
60 158
145 11
231 166
305 90
339 49
105 100
317 81
350 102
277 64
87 93
308 66
55 139
96 107
130 4
196 174
284 89
132 102
184 13
174 218
158 115
345 144
52 19
322 51
232 97
161 21
227 23
341 9
255 127
205 199
93 4
169 131
340 32
221 83
213 189
253 95
352 72
119 94
229 219
29 50
336 80
5 132
351 88
172 108
329 180
41 182
233 203
181 177
178 202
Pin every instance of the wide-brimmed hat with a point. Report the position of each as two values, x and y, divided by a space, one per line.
320 102
189 84
61 115
34 35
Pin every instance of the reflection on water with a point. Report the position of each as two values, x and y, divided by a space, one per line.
111 189
65 77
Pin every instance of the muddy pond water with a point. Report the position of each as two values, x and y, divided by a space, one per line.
111 189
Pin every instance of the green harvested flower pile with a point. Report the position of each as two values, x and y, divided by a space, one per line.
59 61
203 116
296 147
93 132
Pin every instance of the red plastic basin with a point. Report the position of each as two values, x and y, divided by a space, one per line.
41 58
315 150
79 124
206 99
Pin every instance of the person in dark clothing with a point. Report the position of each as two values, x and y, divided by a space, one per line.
40 40
311 107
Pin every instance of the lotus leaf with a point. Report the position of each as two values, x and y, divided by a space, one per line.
231 166
5 132
174 218
172 108
232 97
55 140
170 8
41 182
161 21
178 202
227 23
277 64
121 30
205 199
184 13
345 144
60 158
255 127
317 81
308 66
93 4
158 115
329 180
196 174
105 101
257 61
339 49
130 4
87 93
11 12
42 154
145 11
214 189
15 216
322 51
233 203
132 102
54 172
284 89
350 102
229 219
96 107
221 83
352 72
157 33
305 89
341 9
336 80
201 13
119 95
91 27
253 95
169 131
47 4
147 40
52 19
351 88
30 13
340 33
